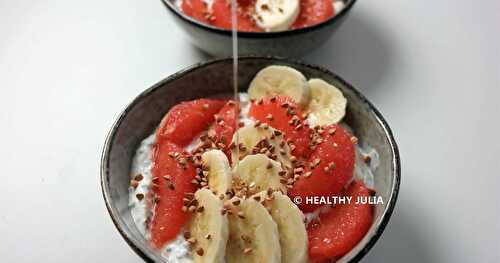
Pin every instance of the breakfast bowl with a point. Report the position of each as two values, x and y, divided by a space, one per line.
141 118
294 42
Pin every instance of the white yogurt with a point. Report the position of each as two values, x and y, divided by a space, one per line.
141 164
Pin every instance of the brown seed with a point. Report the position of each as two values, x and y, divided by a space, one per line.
241 124
331 166
236 202
282 173
257 124
138 177
308 174
367 158
166 177
273 99
208 236
257 198
247 250
269 117
139 196
187 235
332 131
205 106
354 140
260 102
171 187
270 165
200 209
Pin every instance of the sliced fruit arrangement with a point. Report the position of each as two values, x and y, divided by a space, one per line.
209 230
187 119
217 171
280 80
221 16
313 12
263 15
253 234
196 9
276 15
327 103
226 122
231 196
172 176
283 114
341 228
329 168
260 138
258 173
291 228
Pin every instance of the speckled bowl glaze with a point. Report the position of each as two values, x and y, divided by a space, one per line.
292 43
141 117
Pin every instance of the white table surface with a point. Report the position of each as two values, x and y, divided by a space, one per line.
67 68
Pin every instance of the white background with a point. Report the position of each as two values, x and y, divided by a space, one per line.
67 68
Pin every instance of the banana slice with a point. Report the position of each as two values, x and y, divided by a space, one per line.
219 172
280 80
209 229
276 15
261 139
259 173
253 235
291 227
327 105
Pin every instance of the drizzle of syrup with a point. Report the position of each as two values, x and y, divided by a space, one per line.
234 35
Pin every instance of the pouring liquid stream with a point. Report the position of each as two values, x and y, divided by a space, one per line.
234 36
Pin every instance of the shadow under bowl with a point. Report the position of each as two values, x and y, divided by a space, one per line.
142 116
291 43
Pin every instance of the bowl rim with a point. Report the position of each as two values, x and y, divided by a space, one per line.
146 254
244 34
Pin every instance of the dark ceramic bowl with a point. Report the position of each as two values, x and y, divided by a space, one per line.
141 117
291 43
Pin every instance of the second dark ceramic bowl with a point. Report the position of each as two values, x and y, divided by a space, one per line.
143 115
292 43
